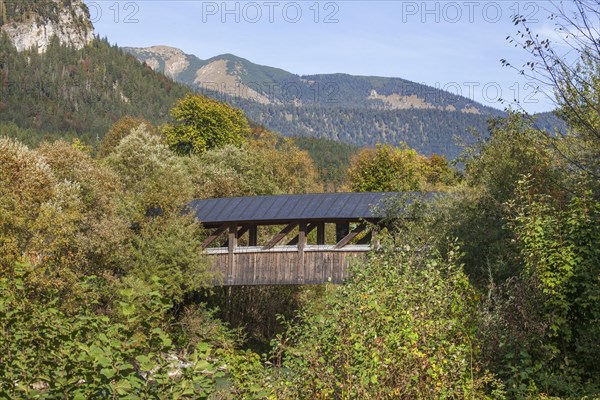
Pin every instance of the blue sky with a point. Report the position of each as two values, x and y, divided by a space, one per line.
454 45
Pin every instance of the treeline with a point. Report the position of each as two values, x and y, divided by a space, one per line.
427 131
340 107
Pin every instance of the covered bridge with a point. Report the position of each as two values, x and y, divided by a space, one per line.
288 239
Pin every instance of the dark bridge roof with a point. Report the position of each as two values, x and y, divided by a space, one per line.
287 208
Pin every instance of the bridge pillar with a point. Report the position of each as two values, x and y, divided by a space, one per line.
320 233
252 236
231 245
301 255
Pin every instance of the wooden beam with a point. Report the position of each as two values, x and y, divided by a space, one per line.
309 228
242 230
301 245
375 239
351 235
277 238
341 230
253 235
231 245
218 232
321 233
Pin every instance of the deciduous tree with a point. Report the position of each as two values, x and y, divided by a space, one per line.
201 124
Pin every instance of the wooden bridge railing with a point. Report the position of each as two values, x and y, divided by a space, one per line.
284 265
296 263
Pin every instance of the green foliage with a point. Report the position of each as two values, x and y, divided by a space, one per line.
202 124
262 166
559 246
46 353
33 137
332 158
401 327
391 169
119 130
26 183
102 233
384 169
168 247
513 148
476 213
153 177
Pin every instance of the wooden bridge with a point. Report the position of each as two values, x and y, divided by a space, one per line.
289 239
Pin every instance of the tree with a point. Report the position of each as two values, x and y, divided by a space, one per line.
202 124
513 148
571 70
103 234
559 246
264 165
26 183
384 169
436 171
169 247
153 177
119 130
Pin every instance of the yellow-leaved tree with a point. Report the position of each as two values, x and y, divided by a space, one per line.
201 124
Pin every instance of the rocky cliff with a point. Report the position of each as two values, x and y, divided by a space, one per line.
32 24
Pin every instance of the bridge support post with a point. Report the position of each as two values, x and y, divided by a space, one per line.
232 244
320 233
301 246
252 235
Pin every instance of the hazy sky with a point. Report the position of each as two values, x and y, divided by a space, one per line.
456 45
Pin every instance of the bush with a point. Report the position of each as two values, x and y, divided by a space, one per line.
402 327
45 353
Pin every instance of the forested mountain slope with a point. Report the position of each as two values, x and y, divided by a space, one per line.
82 92
360 110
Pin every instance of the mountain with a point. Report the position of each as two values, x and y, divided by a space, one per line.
58 80
32 24
234 76
361 110
68 84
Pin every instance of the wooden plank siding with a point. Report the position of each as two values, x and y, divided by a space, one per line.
284 265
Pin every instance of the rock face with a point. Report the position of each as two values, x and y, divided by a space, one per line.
175 60
70 22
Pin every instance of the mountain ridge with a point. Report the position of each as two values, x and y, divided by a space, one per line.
360 110
277 84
